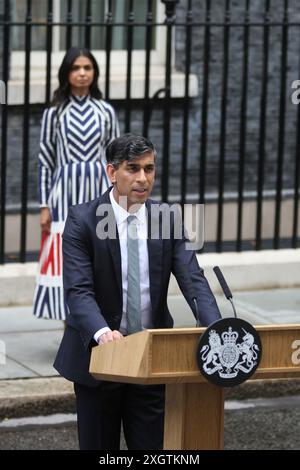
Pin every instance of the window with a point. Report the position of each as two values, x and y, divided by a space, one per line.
18 32
118 58
120 11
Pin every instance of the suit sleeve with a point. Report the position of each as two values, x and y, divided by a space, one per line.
78 279
47 157
185 264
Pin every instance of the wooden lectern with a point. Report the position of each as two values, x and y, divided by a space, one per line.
194 408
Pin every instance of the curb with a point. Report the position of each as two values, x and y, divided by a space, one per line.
44 396
37 396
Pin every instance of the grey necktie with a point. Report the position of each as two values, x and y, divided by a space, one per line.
133 277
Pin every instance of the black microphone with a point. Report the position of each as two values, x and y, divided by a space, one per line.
191 292
225 288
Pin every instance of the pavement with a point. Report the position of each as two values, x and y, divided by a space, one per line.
257 424
29 385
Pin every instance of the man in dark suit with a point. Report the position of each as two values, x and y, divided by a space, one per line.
117 264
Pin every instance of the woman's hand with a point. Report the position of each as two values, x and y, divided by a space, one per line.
45 220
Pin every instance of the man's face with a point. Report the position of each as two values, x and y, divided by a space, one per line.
133 180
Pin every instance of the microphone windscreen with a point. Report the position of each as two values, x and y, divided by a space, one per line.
223 283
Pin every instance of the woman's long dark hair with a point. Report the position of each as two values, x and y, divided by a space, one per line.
63 91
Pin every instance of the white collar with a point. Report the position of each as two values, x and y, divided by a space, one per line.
121 214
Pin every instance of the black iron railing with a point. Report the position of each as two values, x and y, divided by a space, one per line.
237 151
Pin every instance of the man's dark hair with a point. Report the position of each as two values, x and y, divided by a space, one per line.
128 147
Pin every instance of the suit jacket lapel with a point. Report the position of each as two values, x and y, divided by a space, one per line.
114 247
113 243
155 254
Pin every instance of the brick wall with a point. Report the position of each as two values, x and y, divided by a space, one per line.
235 84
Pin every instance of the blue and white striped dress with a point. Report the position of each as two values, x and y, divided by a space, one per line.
71 171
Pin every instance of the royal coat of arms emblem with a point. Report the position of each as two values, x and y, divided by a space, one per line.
229 352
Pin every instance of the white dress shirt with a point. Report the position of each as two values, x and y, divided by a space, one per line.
121 216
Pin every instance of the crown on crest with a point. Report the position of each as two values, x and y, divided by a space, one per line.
229 337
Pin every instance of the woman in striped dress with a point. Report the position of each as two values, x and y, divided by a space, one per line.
75 132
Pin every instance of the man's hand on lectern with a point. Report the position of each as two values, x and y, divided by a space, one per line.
110 336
